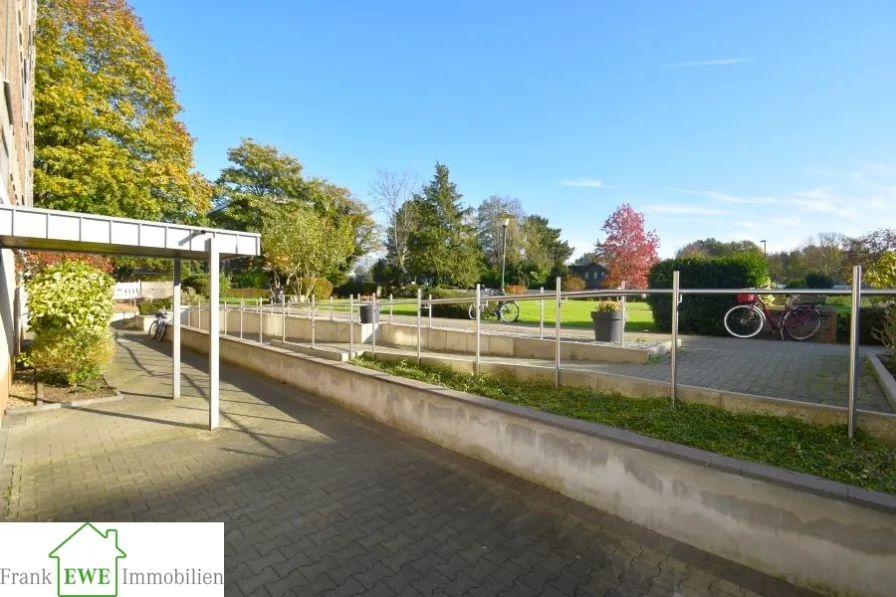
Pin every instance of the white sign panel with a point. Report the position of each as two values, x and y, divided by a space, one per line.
112 559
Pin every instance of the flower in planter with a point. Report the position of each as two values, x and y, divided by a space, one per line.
607 306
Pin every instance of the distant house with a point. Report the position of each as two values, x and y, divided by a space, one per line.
592 273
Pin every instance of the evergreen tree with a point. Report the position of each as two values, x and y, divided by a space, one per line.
443 247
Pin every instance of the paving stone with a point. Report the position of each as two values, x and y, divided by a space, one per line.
319 500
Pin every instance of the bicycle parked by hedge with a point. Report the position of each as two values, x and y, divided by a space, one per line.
506 311
798 321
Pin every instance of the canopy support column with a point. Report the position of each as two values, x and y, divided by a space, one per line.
175 340
214 332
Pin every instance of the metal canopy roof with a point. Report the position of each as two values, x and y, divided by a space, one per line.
53 230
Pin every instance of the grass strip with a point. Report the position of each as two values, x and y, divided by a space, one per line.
787 442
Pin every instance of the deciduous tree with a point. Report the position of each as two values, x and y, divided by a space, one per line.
629 250
106 135
391 193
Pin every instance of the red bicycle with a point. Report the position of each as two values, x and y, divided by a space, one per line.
799 321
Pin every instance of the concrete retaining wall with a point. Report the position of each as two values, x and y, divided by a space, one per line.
432 339
814 533
881 425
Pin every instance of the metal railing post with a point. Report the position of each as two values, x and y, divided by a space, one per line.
430 311
241 318
854 367
351 325
622 338
313 323
283 315
541 315
260 323
331 307
258 304
224 330
373 327
200 315
391 319
478 326
419 315
559 283
673 353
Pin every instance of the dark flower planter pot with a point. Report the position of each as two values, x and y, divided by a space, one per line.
608 326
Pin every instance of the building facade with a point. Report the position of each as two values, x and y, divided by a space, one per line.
17 55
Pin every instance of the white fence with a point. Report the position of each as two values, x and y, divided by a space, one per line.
143 290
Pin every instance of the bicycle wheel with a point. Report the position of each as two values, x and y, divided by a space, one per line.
160 333
744 321
509 312
473 311
802 323
153 329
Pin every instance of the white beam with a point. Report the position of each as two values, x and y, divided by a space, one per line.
175 341
214 332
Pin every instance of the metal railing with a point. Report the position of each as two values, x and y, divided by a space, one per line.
677 293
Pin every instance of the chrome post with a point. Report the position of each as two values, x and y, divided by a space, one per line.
283 315
313 322
351 326
673 353
419 313
373 327
241 318
854 365
390 309
541 316
559 282
478 326
430 311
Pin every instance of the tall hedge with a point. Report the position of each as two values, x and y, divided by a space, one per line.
703 314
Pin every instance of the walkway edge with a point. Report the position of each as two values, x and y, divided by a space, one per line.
884 378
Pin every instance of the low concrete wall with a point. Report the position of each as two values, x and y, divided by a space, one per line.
464 342
881 425
432 339
813 532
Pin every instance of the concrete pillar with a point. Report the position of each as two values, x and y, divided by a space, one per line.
214 333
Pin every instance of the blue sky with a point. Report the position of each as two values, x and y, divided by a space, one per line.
760 120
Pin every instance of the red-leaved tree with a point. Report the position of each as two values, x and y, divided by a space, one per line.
628 251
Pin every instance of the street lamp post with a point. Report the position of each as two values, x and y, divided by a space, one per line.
764 248
504 223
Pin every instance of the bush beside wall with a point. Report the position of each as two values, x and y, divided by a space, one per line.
703 314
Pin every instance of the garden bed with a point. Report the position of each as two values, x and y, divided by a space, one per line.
21 394
785 442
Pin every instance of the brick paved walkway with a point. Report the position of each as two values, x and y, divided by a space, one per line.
320 501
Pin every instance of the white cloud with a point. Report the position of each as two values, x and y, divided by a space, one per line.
684 210
726 197
720 62
786 221
590 183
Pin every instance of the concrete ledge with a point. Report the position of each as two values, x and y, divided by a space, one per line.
324 352
884 379
881 425
812 532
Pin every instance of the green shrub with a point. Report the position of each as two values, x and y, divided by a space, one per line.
886 333
70 295
796 283
249 279
703 314
872 321
819 280
200 284
460 310
71 357
323 288
247 293
572 283
152 306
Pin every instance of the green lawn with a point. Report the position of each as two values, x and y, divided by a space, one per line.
573 314
787 442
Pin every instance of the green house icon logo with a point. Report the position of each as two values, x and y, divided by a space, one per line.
87 563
